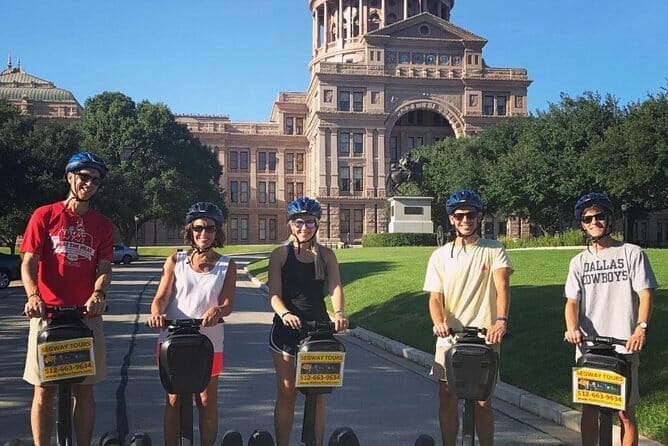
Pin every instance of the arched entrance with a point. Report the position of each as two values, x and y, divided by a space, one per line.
419 122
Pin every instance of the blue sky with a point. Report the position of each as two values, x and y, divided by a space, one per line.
233 57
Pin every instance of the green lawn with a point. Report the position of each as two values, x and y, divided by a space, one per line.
383 288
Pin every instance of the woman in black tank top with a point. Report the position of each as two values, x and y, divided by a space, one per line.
298 274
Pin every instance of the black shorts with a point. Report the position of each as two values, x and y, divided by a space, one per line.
284 339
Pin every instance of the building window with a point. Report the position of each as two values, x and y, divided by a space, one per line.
299 189
404 57
262 192
358 101
234 228
430 59
289 162
473 100
272 161
300 163
243 160
234 192
272 228
418 58
289 191
328 96
234 160
456 60
272 192
243 192
394 149
261 161
344 179
375 97
519 101
262 229
443 59
344 144
501 105
358 220
358 144
244 228
289 126
502 228
344 223
488 105
299 126
357 178
344 101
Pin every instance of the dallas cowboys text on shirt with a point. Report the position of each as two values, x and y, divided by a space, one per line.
605 271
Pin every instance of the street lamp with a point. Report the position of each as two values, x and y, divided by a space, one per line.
625 210
137 233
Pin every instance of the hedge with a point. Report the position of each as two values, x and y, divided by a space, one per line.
398 239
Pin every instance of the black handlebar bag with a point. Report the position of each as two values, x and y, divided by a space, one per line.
602 377
185 361
320 364
472 369
65 350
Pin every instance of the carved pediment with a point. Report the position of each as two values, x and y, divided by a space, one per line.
426 26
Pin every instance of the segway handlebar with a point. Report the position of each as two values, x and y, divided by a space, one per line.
468 331
173 324
604 340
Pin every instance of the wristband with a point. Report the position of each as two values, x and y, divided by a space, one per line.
502 318
341 312
35 294
286 313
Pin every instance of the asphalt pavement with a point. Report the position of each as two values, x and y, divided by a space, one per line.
388 397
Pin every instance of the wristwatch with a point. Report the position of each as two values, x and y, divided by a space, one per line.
642 325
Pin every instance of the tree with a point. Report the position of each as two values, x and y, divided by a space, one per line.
546 170
157 168
31 173
631 163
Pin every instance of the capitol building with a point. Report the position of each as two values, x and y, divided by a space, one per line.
386 77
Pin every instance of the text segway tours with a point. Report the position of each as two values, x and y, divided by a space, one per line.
602 377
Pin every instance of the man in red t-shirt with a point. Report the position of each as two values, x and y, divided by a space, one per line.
67 252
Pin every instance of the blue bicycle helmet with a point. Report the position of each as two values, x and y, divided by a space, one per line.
593 199
205 209
304 206
83 160
463 198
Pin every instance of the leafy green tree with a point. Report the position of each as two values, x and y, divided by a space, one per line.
157 168
31 174
631 163
546 170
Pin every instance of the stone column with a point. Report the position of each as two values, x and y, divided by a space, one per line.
369 186
320 161
382 13
405 9
334 163
380 159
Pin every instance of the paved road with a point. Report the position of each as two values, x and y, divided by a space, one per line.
387 400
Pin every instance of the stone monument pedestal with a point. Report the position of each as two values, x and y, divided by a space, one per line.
410 214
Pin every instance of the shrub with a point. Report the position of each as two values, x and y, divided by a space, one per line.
398 239
571 237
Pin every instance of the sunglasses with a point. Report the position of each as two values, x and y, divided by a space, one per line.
601 216
89 178
469 216
209 229
310 224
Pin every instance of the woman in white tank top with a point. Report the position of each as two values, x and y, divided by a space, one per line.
197 284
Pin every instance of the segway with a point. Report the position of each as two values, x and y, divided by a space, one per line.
66 356
472 368
320 367
602 377
185 360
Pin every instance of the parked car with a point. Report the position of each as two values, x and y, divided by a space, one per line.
124 254
10 269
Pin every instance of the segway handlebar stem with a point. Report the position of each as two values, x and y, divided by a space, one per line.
604 340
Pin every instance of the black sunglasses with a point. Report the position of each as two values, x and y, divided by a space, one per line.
601 216
310 224
209 229
89 178
469 215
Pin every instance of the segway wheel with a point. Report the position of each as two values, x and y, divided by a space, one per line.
261 438
425 440
140 439
343 436
232 438
110 439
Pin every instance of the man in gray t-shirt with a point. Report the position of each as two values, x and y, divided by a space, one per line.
608 292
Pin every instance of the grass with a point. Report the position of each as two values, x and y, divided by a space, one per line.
383 288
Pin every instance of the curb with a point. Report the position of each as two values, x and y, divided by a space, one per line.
523 399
